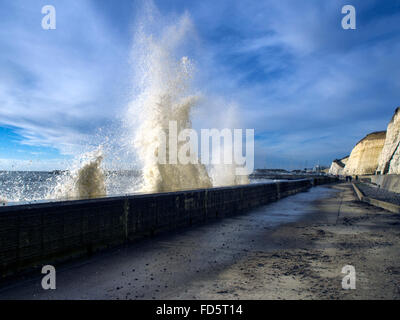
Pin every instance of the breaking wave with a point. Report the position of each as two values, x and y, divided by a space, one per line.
85 182
165 95
163 92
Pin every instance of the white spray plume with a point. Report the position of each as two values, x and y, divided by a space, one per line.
225 174
85 180
164 95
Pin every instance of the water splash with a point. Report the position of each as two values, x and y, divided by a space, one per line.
3 202
225 174
86 181
164 96
163 79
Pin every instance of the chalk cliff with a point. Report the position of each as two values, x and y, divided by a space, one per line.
389 160
338 165
364 156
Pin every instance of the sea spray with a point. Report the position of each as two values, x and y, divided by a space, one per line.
86 180
164 96
163 92
25 186
3 201
224 174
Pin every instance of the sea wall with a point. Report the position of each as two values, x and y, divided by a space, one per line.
38 234
389 159
390 182
364 156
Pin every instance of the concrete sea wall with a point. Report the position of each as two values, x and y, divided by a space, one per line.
390 182
39 234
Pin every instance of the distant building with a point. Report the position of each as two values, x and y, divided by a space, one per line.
319 169
270 171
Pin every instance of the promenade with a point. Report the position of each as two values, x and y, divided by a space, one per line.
291 249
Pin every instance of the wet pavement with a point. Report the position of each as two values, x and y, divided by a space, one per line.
166 266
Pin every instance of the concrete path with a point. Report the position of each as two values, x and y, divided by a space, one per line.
290 249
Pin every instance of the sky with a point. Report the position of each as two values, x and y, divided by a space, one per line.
310 89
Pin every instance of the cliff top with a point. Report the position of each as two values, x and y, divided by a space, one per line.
373 136
395 113
339 163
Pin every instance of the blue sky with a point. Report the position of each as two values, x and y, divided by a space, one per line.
310 89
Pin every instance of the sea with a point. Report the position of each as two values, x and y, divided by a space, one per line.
21 187
18 187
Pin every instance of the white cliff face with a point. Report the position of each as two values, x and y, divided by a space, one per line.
337 166
389 160
395 163
364 157
335 169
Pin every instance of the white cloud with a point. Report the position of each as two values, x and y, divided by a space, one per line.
59 86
